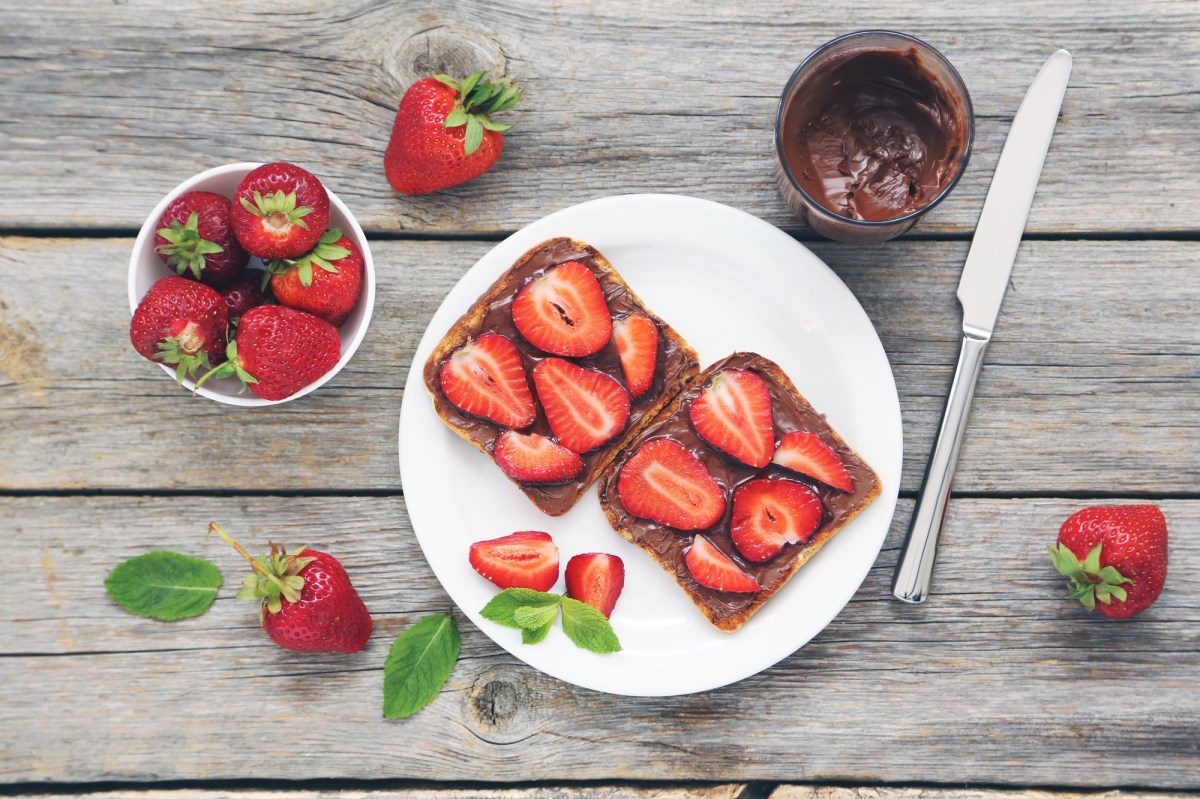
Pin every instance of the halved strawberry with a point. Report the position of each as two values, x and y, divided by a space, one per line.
733 413
534 458
597 579
767 514
563 312
713 569
485 377
807 454
636 337
519 560
585 408
665 483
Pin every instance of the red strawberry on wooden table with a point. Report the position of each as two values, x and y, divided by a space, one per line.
713 569
527 559
443 134
279 211
769 514
1115 557
585 408
596 578
665 483
181 323
536 459
807 454
306 601
325 281
485 377
563 312
195 238
636 337
278 351
733 413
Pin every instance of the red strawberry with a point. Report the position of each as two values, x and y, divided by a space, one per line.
767 514
519 560
713 569
195 235
585 408
485 377
807 454
637 345
241 295
331 290
534 458
733 413
597 579
306 600
563 312
665 483
443 136
279 351
1115 555
181 323
279 211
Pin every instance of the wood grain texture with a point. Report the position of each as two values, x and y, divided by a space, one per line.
1090 386
105 106
997 663
540 792
833 792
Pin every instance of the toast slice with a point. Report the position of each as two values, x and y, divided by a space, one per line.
676 365
668 546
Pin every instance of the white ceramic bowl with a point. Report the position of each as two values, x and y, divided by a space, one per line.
146 268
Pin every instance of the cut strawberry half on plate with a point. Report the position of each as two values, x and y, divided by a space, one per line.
769 514
485 377
521 560
636 337
585 408
665 483
597 579
807 454
534 458
713 569
733 413
563 312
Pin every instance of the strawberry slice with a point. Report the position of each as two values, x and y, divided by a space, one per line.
733 413
534 458
485 377
807 454
519 560
713 569
597 579
767 514
585 408
665 483
563 312
636 337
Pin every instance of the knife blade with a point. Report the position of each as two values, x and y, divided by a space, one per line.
980 292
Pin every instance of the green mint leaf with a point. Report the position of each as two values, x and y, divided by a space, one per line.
535 618
419 664
537 635
588 628
164 585
503 606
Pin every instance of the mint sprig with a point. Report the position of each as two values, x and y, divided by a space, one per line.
533 613
163 585
419 664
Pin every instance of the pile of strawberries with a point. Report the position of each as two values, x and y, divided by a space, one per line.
274 329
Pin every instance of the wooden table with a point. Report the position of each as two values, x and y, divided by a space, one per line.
1091 394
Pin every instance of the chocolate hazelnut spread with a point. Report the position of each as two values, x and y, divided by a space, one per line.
669 546
874 135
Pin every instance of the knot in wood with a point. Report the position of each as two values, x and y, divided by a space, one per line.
494 702
430 44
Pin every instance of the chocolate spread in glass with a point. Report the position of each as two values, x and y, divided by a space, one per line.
791 413
873 135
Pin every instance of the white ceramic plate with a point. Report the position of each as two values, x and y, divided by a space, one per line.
726 281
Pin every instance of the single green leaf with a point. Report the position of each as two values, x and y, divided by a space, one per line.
164 585
446 79
534 618
455 118
1118 592
504 605
588 628
1110 575
1091 564
488 124
469 84
1066 562
418 665
538 634
474 136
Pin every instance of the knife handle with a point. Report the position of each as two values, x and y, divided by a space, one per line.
915 569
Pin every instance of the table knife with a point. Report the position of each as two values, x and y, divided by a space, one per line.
980 292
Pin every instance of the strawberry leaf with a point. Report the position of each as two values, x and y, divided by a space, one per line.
455 118
488 124
418 665
164 585
446 79
474 136
469 84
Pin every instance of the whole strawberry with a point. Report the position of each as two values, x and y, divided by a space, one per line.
195 238
1115 556
181 323
279 211
278 351
330 290
443 135
306 600
242 294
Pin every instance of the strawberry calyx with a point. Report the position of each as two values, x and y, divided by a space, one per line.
275 577
187 249
279 210
174 351
231 367
477 99
1089 582
322 255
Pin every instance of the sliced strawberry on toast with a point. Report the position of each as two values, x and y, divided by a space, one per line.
713 569
535 459
769 514
563 312
733 413
665 483
597 579
807 454
485 377
520 560
584 408
636 337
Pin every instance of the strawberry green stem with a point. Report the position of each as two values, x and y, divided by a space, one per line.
213 527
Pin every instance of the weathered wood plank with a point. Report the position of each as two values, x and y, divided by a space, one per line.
105 106
834 792
1089 331
541 792
997 664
